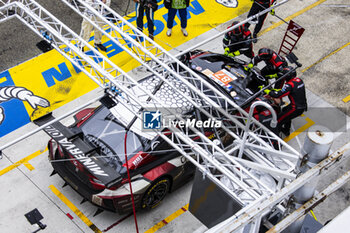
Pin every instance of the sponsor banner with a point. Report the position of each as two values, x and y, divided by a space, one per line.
49 81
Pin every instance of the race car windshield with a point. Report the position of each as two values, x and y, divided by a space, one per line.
105 132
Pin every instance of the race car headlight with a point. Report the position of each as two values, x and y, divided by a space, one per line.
97 200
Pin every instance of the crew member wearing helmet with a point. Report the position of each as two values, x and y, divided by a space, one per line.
258 6
262 114
274 62
294 88
285 72
238 41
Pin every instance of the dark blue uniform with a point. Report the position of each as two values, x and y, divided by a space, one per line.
148 6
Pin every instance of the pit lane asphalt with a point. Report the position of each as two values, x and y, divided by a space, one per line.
23 190
18 42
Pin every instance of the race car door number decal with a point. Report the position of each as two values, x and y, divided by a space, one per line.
224 77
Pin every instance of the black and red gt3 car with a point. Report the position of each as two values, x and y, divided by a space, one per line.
90 157
90 154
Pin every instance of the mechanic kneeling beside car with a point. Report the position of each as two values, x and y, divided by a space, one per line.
274 63
294 88
238 41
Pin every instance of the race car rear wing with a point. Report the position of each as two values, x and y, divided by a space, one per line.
73 143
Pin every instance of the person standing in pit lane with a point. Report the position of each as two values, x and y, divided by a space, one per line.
86 27
258 6
174 6
148 7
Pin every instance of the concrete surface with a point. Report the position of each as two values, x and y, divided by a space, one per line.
18 43
327 82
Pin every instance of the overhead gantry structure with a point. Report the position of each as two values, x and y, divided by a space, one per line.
263 150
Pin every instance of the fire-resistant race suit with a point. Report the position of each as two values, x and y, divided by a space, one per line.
274 62
238 41
295 90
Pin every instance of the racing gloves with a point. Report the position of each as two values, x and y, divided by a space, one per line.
227 51
248 67
267 91
271 76
236 53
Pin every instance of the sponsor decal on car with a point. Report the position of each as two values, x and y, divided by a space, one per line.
137 161
208 73
222 77
97 200
74 150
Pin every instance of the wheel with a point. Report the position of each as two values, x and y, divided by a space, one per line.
156 193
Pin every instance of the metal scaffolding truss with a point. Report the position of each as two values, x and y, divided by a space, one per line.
165 66
214 160
162 64
252 213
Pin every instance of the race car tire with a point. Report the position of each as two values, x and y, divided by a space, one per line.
155 193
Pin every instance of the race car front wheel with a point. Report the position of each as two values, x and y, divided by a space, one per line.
156 193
